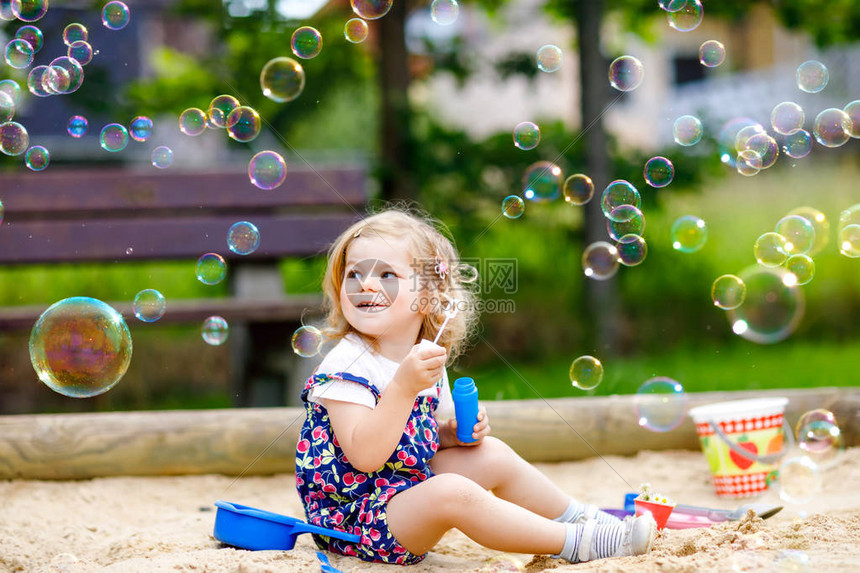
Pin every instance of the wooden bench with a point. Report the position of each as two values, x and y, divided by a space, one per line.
118 215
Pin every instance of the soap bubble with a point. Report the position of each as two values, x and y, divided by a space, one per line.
113 137
600 261
773 307
215 331
619 192
765 146
798 144
513 207
687 18
632 250
14 139
115 15
819 436
549 58
799 479
848 240
355 30
526 135
542 181
81 52
36 81
658 172
149 305
689 234
820 226
744 134
832 127
727 138
7 107
18 54
802 267
12 89
852 110
371 9
75 32
307 341
671 5
80 347
850 216
162 157
37 158
728 292
625 220
220 108
687 130
243 124
712 53
282 79
444 12
65 563
578 189
267 170
63 76
192 121
29 10
799 233
787 117
586 373
32 35
211 269
140 128
770 249
626 73
748 162
812 76
243 238
306 42
660 404
77 126
2 211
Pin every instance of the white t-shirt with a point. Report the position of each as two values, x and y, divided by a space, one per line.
354 356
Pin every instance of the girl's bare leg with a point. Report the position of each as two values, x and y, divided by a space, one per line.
495 466
420 515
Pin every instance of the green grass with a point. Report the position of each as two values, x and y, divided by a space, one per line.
738 366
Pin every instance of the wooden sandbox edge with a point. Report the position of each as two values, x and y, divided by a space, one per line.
261 441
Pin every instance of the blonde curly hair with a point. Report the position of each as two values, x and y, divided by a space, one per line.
428 240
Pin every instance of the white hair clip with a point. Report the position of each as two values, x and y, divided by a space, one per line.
441 268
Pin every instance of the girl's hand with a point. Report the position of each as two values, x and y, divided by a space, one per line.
480 430
422 367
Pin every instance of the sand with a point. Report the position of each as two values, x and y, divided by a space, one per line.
141 525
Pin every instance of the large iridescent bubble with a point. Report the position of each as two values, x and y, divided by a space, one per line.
600 261
773 307
282 79
371 9
660 404
267 170
80 347
626 73
542 181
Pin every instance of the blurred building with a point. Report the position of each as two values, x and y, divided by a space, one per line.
758 73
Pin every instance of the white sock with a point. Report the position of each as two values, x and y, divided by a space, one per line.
579 512
601 541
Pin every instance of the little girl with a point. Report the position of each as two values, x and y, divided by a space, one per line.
378 454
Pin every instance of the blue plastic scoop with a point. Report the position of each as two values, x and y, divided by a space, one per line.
259 530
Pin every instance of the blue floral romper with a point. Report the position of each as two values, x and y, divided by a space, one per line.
338 496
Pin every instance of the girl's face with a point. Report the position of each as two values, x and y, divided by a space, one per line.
380 291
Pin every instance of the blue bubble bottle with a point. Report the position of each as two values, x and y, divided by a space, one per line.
465 408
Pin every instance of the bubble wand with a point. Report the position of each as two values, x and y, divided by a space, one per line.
450 313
